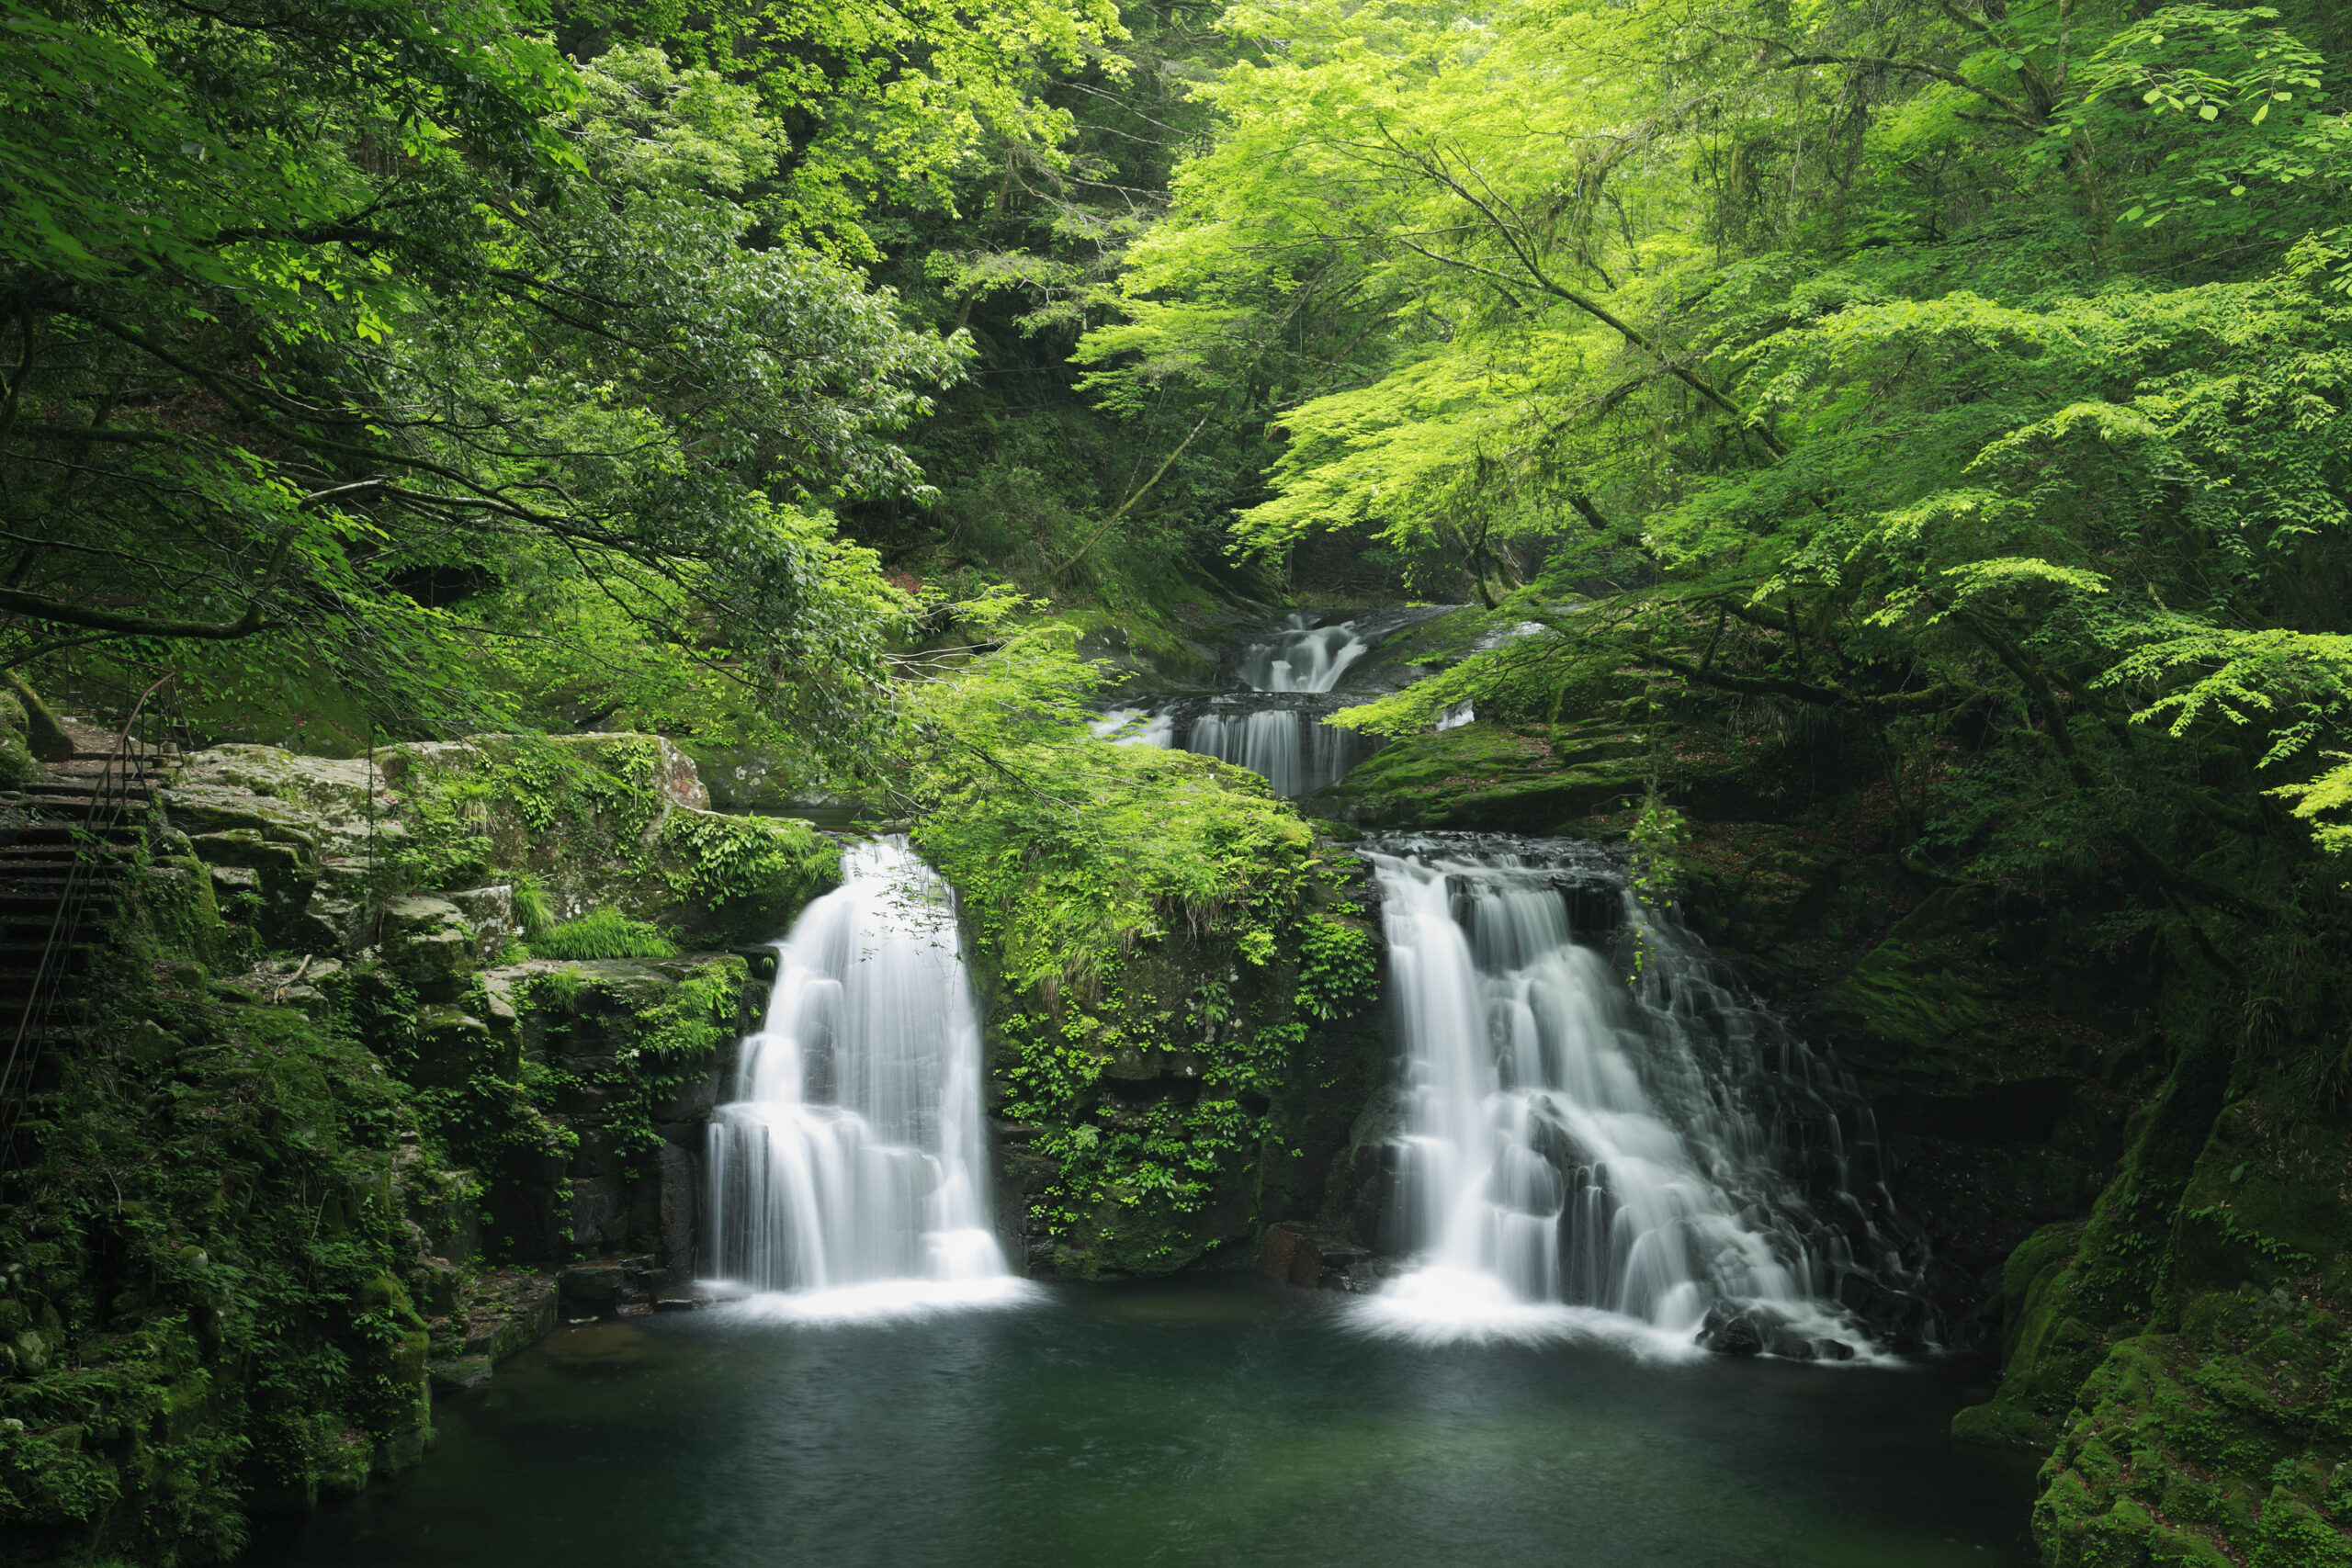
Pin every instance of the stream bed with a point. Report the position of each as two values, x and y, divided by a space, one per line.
1212 1420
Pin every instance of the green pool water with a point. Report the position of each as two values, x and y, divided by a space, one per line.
1209 1421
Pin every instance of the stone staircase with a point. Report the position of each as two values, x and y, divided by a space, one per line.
67 835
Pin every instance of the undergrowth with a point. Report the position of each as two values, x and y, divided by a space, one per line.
603 933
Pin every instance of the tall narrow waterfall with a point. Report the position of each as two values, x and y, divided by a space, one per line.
850 1164
1571 1143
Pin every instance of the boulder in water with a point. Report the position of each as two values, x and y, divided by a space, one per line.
593 1287
1282 1246
1733 1331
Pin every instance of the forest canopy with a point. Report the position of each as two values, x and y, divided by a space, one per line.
1877 362
1896 366
388 346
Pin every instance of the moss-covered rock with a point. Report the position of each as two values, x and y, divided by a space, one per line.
2184 1354
591 1083
321 855
214 1282
1523 778
595 821
1177 988
17 762
1219 1100
249 1221
44 736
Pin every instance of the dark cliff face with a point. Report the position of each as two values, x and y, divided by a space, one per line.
1221 1095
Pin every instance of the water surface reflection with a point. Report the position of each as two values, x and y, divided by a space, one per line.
1208 1421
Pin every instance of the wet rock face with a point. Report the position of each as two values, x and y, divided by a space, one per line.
429 944
1283 1172
1310 1258
1491 776
2181 1354
1999 1089
641 1047
1732 1330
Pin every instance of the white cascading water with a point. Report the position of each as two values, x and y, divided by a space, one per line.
1574 1147
1293 751
1303 658
850 1170
1288 744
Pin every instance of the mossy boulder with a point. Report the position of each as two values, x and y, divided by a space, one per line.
1515 778
325 807
2184 1353
310 852
598 820
1205 1095
429 944
17 763
2219 1444
44 736
212 1300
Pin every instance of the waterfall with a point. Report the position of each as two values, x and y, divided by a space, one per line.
1292 749
1278 732
1573 1148
849 1167
1303 658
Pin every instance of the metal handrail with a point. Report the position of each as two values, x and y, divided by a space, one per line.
109 804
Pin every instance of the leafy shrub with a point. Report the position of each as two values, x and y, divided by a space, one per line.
604 933
533 913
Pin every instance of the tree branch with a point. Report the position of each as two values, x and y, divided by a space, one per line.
1434 167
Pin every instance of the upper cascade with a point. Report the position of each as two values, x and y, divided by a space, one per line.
1303 657
1274 725
851 1163
1575 1142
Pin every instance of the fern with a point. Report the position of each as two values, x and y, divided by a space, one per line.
604 933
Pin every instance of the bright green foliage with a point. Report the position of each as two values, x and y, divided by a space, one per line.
603 933
1870 449
1946 401
1127 843
587 816
494 330
887 107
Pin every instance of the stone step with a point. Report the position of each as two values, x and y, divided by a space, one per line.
55 880
31 874
41 833
43 795
20 893
22 959
88 775
66 849
32 928
30 924
36 873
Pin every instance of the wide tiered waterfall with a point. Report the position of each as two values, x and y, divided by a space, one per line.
850 1164
1574 1143
1277 729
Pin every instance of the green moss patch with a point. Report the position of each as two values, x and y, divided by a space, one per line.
1526 778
